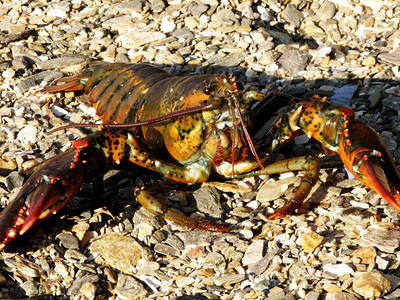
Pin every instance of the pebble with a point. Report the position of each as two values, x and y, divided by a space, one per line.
311 241
69 241
387 241
254 253
338 269
128 288
118 251
371 284
208 201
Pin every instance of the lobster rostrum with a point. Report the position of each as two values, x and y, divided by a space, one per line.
186 128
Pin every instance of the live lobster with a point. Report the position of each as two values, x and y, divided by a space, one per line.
186 128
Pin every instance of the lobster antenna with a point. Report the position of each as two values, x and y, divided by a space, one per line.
180 113
247 135
233 135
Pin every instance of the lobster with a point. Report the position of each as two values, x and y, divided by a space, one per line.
187 128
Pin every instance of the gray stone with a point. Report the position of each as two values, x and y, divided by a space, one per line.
224 17
327 10
230 60
80 280
166 249
208 201
229 279
157 6
390 57
130 6
68 240
294 61
30 289
62 62
13 180
198 10
386 241
292 15
128 288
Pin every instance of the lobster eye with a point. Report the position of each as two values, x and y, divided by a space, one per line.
208 90
239 86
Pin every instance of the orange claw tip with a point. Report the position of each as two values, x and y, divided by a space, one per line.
381 180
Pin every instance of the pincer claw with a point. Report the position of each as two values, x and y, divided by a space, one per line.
35 201
41 196
367 157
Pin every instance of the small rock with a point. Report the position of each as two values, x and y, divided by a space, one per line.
310 241
224 17
167 25
273 190
132 39
254 253
166 249
215 261
80 281
13 180
294 61
198 10
327 10
386 241
184 281
157 6
230 60
371 284
390 57
7 164
338 269
229 279
30 288
119 251
208 201
28 134
369 61
62 62
366 254
128 288
68 240
88 290
292 15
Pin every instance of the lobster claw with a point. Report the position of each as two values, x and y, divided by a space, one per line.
366 156
41 196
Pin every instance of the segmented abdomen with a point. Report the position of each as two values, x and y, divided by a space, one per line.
123 93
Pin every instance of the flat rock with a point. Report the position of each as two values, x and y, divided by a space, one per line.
118 251
254 253
294 61
208 200
371 284
390 57
386 241
131 39
128 288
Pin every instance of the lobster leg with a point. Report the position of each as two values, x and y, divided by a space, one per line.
159 209
309 164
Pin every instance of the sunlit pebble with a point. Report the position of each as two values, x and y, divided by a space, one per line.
167 25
